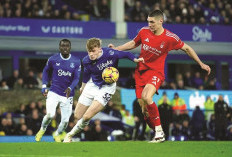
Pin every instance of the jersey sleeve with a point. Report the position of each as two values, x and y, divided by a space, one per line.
46 71
76 77
137 39
176 43
123 54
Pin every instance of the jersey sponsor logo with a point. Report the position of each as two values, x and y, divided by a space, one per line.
151 49
111 52
201 35
64 73
147 40
57 64
71 65
104 65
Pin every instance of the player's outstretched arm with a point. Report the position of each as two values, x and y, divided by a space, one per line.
127 46
189 50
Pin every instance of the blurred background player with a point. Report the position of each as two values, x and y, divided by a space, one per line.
156 42
95 93
65 72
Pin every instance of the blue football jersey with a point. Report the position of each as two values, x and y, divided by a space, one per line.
62 72
109 58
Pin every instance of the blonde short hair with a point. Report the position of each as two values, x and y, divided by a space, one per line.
92 43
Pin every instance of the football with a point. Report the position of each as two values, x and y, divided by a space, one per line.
110 75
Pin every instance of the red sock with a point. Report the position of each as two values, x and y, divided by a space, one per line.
154 117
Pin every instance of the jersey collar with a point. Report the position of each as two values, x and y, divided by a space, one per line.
65 58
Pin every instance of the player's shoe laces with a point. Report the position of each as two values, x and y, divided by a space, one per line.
159 137
56 137
39 135
68 138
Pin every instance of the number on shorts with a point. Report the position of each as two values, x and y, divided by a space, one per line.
107 97
155 80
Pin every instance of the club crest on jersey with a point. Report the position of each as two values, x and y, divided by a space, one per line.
162 45
147 40
57 64
72 65
111 52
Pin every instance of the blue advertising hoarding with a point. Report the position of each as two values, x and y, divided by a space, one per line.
205 33
56 28
192 98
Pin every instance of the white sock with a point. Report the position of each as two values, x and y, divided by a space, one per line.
62 126
78 127
45 122
158 128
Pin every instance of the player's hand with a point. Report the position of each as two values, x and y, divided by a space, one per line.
44 91
206 68
139 60
111 46
68 91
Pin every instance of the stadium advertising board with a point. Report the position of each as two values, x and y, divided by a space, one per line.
199 33
192 98
56 28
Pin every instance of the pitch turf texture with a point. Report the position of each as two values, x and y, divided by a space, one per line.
117 149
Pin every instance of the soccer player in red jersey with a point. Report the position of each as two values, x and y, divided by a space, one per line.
156 42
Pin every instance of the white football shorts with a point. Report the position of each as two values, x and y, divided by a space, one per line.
92 92
65 103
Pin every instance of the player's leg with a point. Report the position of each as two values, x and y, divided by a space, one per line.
81 107
51 104
94 108
153 119
66 111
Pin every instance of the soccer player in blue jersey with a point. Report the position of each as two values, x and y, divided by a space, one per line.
95 93
63 70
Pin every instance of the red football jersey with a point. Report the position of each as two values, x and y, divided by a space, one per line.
154 49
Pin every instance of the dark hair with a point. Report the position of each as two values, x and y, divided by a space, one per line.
156 13
65 40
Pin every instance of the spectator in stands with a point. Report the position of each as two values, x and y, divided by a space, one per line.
4 85
22 110
161 100
185 130
197 80
211 126
112 110
12 79
198 124
211 85
178 104
166 115
87 134
19 84
99 134
209 107
30 81
33 123
188 79
104 9
139 121
221 111
22 130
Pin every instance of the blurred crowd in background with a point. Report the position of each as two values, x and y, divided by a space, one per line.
188 80
176 11
212 123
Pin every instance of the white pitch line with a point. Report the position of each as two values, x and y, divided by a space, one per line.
5 155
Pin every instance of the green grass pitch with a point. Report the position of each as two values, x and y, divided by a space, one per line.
117 149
